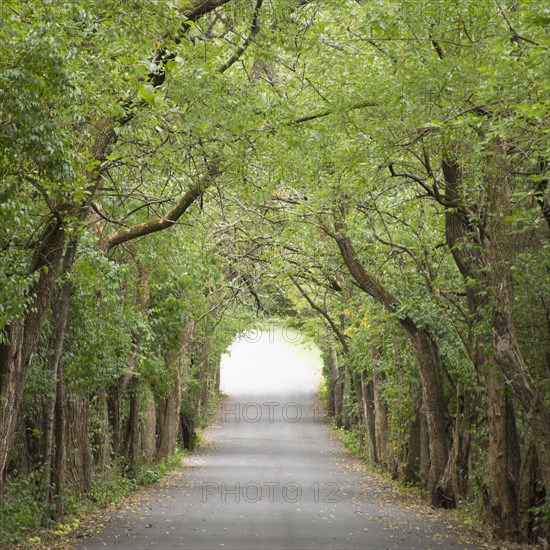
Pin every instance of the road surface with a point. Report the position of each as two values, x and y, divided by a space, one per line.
273 475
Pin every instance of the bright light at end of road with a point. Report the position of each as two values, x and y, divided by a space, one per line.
270 361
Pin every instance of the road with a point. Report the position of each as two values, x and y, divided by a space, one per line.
274 475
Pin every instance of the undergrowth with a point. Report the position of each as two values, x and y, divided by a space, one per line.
25 513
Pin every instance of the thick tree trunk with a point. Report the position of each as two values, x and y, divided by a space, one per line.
527 488
169 416
148 423
77 442
502 461
461 443
433 401
424 450
471 258
510 360
23 337
11 382
507 353
455 478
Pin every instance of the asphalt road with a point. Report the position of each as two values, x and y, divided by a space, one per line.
273 475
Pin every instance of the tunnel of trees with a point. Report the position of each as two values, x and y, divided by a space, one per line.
373 172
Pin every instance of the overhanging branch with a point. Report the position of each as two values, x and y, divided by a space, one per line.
126 234
337 332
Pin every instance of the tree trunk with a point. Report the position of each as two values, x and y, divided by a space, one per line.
60 316
424 450
508 356
102 438
470 254
113 404
336 385
169 409
331 402
527 488
433 401
427 359
131 380
413 456
380 414
502 461
188 430
169 417
361 420
59 472
134 427
455 478
148 424
77 442
23 337
347 397
202 376
369 415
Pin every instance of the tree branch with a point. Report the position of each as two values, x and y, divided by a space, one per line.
516 35
365 280
254 30
152 226
323 114
338 333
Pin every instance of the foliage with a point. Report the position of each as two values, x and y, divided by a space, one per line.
353 441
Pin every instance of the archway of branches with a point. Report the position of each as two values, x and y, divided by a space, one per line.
374 174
